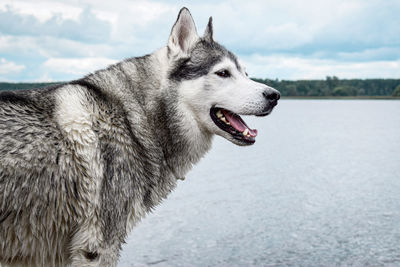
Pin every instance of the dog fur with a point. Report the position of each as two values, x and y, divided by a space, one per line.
82 162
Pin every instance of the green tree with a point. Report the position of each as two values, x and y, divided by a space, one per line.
332 82
291 90
396 91
344 90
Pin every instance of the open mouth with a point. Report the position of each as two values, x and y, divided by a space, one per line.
233 124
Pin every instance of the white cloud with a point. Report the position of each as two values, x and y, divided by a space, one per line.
371 54
76 66
30 47
88 28
43 10
9 67
343 33
44 78
295 67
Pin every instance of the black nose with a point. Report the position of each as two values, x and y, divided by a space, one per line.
272 96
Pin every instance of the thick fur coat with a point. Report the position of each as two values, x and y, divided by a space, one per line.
82 162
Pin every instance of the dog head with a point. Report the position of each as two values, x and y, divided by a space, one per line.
213 84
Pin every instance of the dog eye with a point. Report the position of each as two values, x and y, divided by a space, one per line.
223 73
247 74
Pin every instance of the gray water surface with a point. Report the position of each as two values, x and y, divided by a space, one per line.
321 187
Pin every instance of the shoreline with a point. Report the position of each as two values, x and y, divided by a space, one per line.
340 98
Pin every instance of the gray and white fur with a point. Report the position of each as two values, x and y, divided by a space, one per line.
82 162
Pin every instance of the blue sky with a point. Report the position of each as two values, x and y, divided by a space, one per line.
57 40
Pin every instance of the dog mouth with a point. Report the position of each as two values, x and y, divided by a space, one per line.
233 124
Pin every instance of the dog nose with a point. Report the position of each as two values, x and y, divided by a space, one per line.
272 96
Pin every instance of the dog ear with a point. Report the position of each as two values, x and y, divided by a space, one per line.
183 34
208 34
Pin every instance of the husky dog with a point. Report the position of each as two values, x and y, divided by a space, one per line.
82 162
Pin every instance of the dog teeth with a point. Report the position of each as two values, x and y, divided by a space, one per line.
246 132
221 117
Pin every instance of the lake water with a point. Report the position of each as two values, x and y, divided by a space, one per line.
320 187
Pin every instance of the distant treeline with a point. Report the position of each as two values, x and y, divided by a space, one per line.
330 87
23 86
333 86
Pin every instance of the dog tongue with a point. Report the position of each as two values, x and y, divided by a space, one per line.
237 123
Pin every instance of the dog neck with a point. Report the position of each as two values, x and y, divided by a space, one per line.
183 141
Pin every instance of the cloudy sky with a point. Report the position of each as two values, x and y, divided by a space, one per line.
58 40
